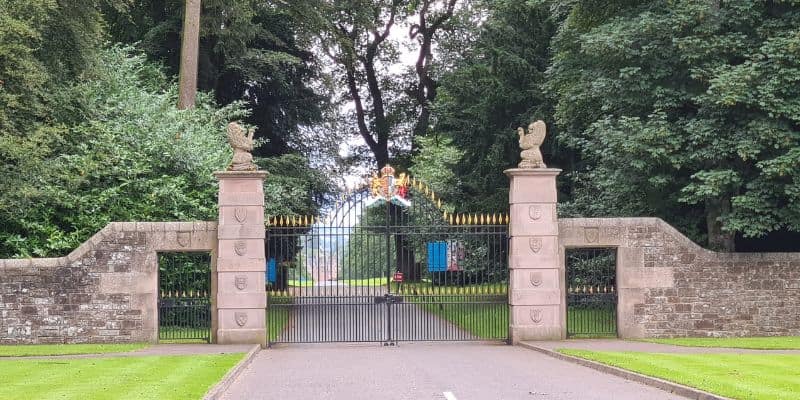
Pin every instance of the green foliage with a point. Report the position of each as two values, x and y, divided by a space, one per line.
124 154
249 51
684 110
494 88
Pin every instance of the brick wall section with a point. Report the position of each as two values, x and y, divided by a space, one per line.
103 292
670 287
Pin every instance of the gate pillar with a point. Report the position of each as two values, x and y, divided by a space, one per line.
238 295
536 294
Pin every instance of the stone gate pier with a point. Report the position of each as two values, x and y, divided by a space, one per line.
237 278
535 267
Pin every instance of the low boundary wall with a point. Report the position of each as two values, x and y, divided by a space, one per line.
668 286
105 291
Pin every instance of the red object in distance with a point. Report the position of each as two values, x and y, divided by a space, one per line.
398 276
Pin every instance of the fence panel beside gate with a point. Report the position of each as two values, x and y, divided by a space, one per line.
184 297
387 264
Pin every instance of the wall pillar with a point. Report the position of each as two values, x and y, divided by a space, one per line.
536 289
238 277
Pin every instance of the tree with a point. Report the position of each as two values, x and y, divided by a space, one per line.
248 51
190 43
388 109
494 86
683 110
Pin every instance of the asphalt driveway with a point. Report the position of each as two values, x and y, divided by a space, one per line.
469 371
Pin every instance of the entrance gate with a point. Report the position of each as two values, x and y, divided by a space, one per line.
387 264
184 297
591 292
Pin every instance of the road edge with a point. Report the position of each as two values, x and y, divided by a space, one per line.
680 390
217 390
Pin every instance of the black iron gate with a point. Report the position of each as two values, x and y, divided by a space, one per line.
387 265
184 298
591 292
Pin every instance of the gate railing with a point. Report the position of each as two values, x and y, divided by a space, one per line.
591 292
405 279
184 298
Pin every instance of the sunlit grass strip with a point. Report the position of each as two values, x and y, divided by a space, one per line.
277 320
591 323
739 376
156 377
66 349
486 321
758 343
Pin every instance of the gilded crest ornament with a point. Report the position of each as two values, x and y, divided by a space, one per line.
240 247
591 234
536 279
529 144
240 213
240 281
184 238
536 315
241 318
535 212
536 244
389 187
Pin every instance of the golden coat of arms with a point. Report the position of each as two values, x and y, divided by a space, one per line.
389 187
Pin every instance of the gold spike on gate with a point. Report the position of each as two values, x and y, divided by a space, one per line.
439 203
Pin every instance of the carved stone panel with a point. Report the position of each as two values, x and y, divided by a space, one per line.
241 318
240 247
535 244
240 214
536 315
240 281
184 239
591 234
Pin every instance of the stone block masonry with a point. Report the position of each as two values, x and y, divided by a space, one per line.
106 291
668 286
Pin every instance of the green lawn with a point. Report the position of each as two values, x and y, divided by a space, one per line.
760 343
487 321
180 334
428 288
591 322
739 376
299 283
277 320
159 377
66 349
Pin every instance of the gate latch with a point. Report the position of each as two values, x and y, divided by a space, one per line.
388 299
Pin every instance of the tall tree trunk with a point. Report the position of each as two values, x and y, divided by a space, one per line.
190 43
717 238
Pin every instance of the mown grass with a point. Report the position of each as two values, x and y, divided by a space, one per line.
151 377
487 321
591 323
738 376
277 320
179 334
758 343
66 349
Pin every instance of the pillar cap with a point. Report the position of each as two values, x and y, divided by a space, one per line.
532 171
241 174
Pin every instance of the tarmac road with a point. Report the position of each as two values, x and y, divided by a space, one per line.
449 371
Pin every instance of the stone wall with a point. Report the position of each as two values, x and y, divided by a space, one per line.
104 291
669 286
